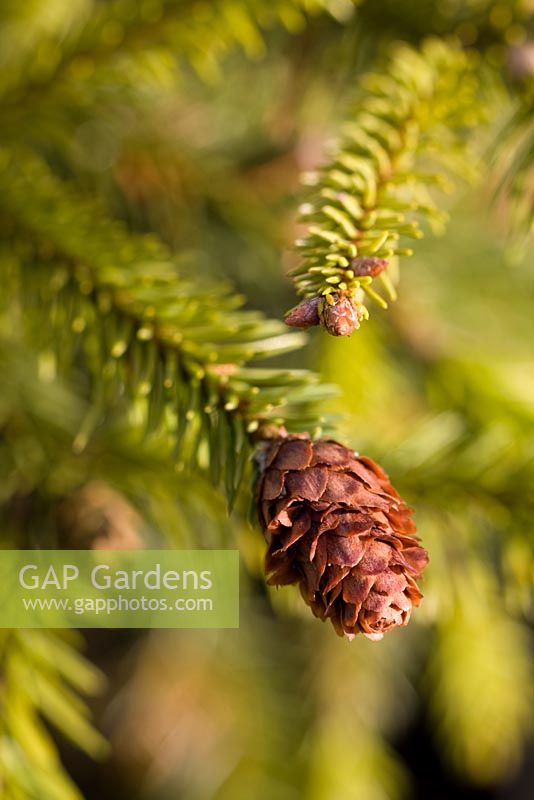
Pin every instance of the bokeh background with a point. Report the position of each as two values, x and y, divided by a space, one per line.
193 121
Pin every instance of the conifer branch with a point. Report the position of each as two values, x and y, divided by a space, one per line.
200 34
43 676
174 351
407 136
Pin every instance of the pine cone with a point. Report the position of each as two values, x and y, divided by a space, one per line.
336 527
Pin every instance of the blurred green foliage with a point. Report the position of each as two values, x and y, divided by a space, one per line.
149 159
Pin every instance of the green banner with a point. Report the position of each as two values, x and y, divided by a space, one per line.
119 588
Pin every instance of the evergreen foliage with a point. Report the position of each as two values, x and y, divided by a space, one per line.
43 675
172 348
406 136
132 358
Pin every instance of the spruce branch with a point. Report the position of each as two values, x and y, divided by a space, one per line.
43 676
176 353
406 137
198 34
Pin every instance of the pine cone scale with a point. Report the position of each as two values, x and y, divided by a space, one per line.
296 455
309 484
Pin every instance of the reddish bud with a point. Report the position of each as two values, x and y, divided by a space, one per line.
305 315
368 265
342 317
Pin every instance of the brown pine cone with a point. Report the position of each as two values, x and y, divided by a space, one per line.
336 527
